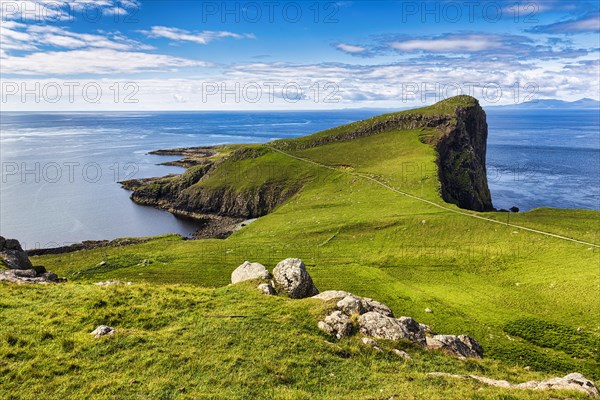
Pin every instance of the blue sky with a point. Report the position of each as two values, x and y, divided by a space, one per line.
174 55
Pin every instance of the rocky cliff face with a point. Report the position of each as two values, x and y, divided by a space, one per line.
461 160
219 208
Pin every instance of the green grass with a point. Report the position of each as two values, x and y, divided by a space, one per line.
185 342
522 295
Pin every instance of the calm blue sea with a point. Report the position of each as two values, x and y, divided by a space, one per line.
60 171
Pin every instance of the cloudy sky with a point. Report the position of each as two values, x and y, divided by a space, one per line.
204 55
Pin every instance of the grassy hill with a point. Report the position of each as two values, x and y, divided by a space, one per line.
367 216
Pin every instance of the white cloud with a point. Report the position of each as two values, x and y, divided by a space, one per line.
451 44
350 48
182 35
18 36
93 61
586 23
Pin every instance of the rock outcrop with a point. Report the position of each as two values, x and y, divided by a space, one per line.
21 276
249 271
291 277
336 324
382 327
460 346
376 320
13 255
575 382
220 206
20 269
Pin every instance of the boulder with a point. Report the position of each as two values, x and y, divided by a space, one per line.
462 346
336 324
13 255
383 327
291 277
103 330
249 271
267 289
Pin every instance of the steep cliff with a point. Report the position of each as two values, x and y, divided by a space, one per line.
461 160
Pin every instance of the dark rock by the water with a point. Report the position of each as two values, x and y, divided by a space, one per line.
514 209
20 268
13 255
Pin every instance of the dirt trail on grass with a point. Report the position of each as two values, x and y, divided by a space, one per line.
465 213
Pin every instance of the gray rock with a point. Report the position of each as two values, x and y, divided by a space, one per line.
461 346
383 327
375 306
291 277
20 276
103 330
332 295
402 354
428 310
267 289
13 255
112 283
336 324
350 305
575 382
369 342
426 328
249 271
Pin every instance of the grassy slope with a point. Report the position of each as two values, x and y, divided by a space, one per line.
180 341
522 295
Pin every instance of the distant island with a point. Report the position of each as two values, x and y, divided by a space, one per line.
581 104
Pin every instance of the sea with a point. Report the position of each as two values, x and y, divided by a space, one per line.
60 171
